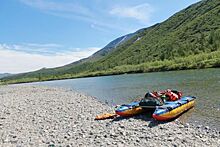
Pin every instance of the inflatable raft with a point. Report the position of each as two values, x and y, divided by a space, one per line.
131 109
173 109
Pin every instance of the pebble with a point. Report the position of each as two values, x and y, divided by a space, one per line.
181 126
207 127
199 126
170 139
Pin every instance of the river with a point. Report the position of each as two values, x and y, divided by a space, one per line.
119 89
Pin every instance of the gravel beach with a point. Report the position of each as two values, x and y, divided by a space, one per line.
43 116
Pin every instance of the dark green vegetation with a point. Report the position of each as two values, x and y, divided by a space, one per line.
189 39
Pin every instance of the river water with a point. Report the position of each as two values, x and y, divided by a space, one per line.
120 89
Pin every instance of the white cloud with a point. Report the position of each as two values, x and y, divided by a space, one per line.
14 61
62 7
140 12
70 10
48 49
98 18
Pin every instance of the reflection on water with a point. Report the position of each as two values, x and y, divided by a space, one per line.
186 116
204 84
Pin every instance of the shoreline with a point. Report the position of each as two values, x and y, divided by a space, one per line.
4 81
45 116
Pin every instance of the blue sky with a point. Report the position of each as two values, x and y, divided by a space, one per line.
50 33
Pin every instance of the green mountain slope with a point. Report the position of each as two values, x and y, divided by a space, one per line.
187 32
188 39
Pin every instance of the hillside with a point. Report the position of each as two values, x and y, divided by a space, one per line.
2 75
188 39
106 50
